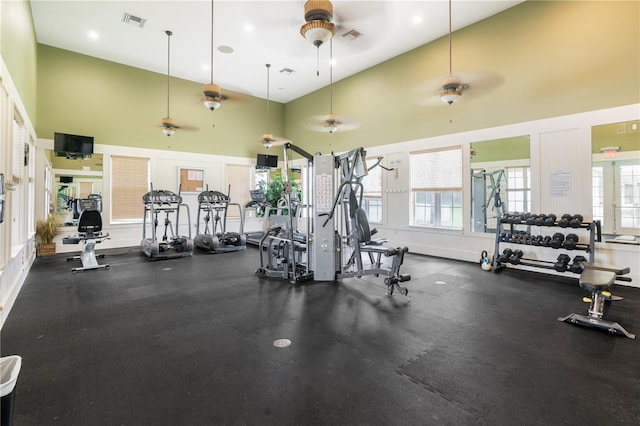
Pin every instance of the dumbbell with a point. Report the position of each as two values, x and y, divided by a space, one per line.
563 263
515 257
570 241
539 220
576 221
515 218
531 219
564 221
504 257
556 240
550 220
505 218
577 267
546 241
537 240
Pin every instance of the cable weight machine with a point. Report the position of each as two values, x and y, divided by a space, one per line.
337 232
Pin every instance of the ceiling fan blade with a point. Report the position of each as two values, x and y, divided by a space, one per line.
321 123
471 84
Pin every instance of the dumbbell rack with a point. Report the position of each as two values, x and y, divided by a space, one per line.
521 227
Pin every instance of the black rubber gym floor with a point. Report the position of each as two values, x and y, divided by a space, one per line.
190 342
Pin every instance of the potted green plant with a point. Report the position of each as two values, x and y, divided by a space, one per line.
46 230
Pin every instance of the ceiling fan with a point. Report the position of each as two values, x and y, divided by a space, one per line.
451 88
168 124
318 27
268 140
213 96
331 122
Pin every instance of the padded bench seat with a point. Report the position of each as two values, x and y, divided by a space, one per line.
596 280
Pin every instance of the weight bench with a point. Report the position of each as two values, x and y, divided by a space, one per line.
90 233
375 249
598 280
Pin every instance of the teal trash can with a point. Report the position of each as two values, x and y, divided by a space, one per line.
9 369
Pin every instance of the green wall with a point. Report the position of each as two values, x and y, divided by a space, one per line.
121 105
18 49
546 58
515 148
552 58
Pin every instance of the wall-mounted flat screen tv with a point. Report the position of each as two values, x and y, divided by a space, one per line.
73 144
265 161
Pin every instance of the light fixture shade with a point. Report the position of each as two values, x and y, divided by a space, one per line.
210 103
168 126
450 94
331 123
267 140
317 32
212 96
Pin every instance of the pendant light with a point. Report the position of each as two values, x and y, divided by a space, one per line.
318 27
451 87
212 92
267 138
331 120
168 124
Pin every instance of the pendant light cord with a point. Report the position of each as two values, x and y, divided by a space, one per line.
169 34
450 55
268 70
331 76
211 57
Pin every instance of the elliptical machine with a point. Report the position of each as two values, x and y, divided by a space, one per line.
215 238
172 245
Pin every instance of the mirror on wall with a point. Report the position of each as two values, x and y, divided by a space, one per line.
500 180
615 153
75 179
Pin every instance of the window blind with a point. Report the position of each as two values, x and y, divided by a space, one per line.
438 170
129 182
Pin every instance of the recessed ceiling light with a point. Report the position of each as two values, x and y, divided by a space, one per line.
225 49
205 67
248 27
93 35
416 20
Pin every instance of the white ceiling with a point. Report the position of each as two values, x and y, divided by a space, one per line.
389 28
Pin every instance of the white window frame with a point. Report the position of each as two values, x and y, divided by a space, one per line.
437 173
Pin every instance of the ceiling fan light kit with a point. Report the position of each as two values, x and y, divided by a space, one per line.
212 92
168 124
451 87
212 96
318 28
267 140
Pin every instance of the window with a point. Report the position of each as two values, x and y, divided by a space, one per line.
372 194
597 193
129 182
630 196
518 189
616 196
436 185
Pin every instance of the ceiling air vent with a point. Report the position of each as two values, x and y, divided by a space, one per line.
352 35
133 20
286 71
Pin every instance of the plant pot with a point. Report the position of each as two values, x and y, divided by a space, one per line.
48 249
